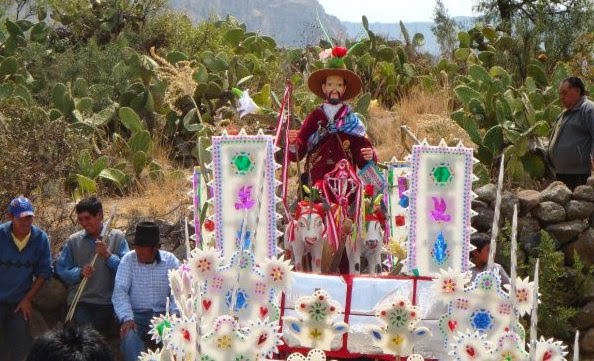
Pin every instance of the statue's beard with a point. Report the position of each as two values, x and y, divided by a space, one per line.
334 99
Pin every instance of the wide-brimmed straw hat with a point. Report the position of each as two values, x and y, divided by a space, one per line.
335 66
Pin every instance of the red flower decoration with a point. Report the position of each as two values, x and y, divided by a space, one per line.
369 190
339 51
209 225
400 220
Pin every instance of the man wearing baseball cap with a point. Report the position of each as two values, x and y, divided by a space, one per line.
25 264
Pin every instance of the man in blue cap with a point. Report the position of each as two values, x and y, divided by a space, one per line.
25 264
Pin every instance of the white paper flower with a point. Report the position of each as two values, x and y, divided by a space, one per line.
247 105
415 357
182 338
549 350
313 355
277 273
203 263
510 347
160 326
470 347
449 284
150 355
225 341
524 296
264 337
325 54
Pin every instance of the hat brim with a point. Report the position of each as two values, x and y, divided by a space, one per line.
352 80
25 214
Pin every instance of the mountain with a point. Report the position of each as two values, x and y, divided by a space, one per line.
392 31
291 23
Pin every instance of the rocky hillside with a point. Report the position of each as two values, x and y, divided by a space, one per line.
292 23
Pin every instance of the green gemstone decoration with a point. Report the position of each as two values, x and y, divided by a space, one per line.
442 174
162 326
243 163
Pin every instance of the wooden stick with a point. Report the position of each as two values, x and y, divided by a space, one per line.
495 227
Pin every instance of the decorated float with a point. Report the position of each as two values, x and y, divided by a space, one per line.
407 295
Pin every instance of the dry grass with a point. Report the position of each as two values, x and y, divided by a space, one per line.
426 114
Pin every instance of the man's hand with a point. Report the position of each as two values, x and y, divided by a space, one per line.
101 249
26 307
126 327
293 136
367 153
87 271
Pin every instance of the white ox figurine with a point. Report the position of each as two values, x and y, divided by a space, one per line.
369 246
306 234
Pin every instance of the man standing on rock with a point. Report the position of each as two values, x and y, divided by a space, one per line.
94 306
570 148
141 289
25 264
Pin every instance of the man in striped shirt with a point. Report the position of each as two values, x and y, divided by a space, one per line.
141 289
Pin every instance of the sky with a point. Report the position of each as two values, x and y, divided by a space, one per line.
392 11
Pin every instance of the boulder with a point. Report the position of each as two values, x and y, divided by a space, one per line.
483 221
583 246
585 317
584 193
528 199
566 231
556 192
576 209
487 193
587 343
508 200
528 227
549 212
476 203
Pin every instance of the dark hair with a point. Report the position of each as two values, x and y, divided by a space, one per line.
70 343
91 204
575 82
480 240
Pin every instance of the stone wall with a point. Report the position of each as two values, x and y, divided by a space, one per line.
567 216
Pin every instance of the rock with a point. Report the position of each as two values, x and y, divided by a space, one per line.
589 289
584 193
487 193
556 192
508 200
528 199
587 343
483 221
476 203
584 247
527 227
566 231
578 209
585 317
52 296
549 212
590 181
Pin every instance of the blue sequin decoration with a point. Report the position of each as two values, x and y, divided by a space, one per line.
481 320
403 202
241 300
440 249
377 335
247 240
296 327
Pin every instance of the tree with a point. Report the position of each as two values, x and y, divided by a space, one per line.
554 24
444 29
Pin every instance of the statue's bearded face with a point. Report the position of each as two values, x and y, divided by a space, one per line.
334 88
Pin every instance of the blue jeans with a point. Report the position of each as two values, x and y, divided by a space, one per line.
136 341
99 317
15 337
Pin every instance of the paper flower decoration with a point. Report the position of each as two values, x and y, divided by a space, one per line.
152 355
470 346
549 350
524 296
316 328
415 357
203 263
277 272
160 325
182 338
510 347
449 284
313 355
246 103
264 337
225 342
399 332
